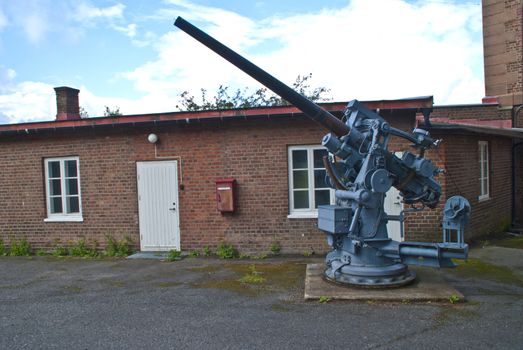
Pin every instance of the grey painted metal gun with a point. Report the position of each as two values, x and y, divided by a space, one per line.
362 170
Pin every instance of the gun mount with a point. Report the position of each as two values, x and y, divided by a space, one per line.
361 169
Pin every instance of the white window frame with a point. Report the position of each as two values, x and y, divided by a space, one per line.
54 217
310 212
484 178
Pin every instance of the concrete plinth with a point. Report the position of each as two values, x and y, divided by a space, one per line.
428 286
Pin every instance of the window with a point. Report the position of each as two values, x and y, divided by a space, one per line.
307 186
483 170
62 181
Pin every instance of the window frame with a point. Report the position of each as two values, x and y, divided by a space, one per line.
483 158
310 212
57 217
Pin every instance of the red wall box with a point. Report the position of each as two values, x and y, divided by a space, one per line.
225 195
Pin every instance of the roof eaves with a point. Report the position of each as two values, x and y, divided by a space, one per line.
484 130
414 103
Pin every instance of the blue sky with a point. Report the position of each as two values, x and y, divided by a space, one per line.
129 54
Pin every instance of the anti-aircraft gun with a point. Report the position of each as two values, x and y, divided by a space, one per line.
361 169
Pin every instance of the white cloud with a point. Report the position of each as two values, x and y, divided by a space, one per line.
129 30
35 101
377 49
380 49
27 101
69 19
6 74
35 26
85 11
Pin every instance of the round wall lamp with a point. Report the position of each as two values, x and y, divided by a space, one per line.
152 138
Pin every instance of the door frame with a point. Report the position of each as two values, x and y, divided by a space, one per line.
394 192
176 228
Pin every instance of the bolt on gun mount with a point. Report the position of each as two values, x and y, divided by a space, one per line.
362 170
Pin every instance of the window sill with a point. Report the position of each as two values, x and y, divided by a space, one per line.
64 219
306 215
483 199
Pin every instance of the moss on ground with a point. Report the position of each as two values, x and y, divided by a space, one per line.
476 268
512 242
167 284
279 277
73 289
207 269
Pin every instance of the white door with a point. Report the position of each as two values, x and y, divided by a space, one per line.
394 206
158 205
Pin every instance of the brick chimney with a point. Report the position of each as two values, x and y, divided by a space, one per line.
67 106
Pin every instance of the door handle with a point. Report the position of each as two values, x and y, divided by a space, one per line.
174 207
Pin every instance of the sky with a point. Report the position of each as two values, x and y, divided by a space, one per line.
128 54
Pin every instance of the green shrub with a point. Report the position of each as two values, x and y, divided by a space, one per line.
2 247
226 251
174 255
20 248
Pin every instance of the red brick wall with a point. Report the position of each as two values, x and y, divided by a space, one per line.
425 225
252 152
502 34
479 112
462 178
107 182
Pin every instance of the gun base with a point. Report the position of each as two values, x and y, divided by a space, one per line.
396 275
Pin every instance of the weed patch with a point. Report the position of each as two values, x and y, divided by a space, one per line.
207 251
20 248
117 248
454 299
41 252
253 277
226 251
282 277
194 254
324 299
174 255
275 248
80 248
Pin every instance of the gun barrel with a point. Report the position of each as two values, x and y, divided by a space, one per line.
308 107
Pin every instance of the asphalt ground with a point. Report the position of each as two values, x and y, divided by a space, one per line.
199 303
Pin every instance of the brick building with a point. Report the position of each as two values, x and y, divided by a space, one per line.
74 178
78 178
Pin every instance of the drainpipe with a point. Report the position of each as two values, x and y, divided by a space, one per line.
515 111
